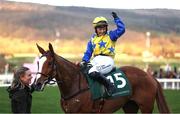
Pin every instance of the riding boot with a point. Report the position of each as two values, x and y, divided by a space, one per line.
102 79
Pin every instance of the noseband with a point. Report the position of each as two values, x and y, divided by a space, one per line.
49 80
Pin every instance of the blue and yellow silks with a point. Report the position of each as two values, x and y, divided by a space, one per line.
104 45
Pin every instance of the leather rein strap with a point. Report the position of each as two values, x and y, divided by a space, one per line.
76 93
101 102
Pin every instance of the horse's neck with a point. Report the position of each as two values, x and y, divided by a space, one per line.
68 74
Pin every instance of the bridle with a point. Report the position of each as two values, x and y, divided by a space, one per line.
49 80
54 70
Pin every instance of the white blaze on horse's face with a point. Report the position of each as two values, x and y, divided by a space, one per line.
41 62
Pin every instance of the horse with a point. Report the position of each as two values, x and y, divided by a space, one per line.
76 96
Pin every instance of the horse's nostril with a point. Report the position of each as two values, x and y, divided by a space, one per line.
38 86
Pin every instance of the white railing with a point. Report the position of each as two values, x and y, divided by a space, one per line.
170 83
6 79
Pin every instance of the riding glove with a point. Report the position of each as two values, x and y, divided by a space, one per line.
83 63
114 15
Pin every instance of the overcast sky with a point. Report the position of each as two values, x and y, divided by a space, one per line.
120 4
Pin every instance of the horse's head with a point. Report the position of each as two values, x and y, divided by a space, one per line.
47 72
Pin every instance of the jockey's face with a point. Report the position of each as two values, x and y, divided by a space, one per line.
101 31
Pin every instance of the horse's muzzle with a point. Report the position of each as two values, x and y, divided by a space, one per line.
39 87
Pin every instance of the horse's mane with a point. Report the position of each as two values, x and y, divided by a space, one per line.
69 63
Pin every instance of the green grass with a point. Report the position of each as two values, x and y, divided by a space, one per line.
173 100
43 102
4 101
48 101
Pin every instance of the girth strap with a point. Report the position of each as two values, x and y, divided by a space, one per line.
98 105
75 94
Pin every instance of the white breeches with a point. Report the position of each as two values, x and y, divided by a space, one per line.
102 64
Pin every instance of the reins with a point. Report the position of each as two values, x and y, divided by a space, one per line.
55 71
50 80
64 98
76 93
79 84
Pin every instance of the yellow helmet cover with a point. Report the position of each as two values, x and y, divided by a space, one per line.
99 21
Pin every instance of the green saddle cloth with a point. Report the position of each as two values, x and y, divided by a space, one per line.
120 81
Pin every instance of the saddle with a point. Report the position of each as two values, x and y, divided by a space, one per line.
98 91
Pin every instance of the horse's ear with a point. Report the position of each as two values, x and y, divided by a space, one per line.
41 50
51 49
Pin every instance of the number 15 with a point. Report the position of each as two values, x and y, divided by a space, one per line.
117 78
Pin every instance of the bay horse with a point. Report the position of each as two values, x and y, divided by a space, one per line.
76 96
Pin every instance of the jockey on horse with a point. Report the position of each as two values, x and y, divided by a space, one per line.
102 46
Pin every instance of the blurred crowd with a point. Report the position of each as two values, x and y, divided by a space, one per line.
166 72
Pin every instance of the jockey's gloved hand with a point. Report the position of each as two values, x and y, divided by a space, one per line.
114 15
83 63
